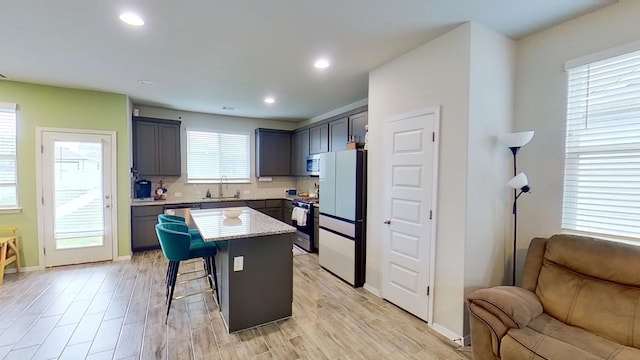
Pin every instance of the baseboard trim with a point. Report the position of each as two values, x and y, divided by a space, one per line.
372 290
123 258
23 269
458 339
467 340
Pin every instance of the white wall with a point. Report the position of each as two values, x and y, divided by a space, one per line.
469 73
433 74
200 121
492 79
491 87
540 106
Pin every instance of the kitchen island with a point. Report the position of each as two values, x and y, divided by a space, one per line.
254 265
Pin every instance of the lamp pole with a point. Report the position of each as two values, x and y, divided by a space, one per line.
514 150
514 141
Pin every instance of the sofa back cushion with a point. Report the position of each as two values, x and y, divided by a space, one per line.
593 284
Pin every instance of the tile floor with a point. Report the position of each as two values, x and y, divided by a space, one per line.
116 310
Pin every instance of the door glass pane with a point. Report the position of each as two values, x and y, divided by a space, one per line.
79 218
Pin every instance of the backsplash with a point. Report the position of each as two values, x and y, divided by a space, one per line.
306 184
259 189
178 189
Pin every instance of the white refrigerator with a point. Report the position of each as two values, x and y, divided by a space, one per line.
342 242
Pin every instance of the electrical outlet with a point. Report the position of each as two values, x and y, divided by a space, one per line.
238 263
178 194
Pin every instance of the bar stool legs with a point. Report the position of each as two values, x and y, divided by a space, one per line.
172 280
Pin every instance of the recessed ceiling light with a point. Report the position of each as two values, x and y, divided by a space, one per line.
321 64
131 19
146 82
269 100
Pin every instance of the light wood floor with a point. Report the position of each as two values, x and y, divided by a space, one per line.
116 311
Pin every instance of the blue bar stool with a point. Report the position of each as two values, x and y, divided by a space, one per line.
165 218
177 245
196 238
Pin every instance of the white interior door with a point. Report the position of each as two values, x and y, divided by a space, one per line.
410 165
77 197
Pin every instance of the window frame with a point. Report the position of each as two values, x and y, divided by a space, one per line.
215 179
597 147
12 108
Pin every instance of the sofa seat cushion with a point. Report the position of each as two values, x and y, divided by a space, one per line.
548 338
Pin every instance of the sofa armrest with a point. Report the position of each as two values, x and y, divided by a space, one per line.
499 309
514 306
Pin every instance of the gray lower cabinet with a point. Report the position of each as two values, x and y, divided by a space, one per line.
273 152
156 147
143 227
144 218
287 209
222 204
271 207
338 134
299 152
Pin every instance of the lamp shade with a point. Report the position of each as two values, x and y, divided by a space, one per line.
517 139
518 182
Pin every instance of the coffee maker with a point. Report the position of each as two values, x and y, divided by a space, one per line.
142 189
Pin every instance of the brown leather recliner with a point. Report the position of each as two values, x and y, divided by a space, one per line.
580 299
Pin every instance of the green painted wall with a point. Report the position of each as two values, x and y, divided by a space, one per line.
48 106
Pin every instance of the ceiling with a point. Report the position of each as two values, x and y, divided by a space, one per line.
204 55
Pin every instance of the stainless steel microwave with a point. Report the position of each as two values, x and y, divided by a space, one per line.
313 165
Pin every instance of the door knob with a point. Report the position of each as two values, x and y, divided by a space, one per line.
388 221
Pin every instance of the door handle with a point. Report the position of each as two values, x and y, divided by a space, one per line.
388 221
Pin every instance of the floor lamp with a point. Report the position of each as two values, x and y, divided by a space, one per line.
518 182
514 141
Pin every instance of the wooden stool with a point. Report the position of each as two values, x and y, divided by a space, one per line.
8 242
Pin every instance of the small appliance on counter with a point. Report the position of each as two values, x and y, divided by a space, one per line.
142 190
161 192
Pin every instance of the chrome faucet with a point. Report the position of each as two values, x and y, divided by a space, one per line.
220 193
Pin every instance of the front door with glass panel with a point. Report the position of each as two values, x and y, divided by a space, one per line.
76 189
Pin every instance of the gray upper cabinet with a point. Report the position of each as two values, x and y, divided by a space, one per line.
357 124
273 152
299 152
156 147
319 139
338 134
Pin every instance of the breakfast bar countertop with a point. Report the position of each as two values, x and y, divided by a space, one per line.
214 226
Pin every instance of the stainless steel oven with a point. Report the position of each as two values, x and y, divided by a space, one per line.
303 211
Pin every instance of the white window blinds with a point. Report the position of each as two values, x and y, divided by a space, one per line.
602 162
8 157
212 155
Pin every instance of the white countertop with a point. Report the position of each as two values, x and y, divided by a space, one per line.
214 226
205 200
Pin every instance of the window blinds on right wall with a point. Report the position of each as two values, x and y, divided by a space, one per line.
602 161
